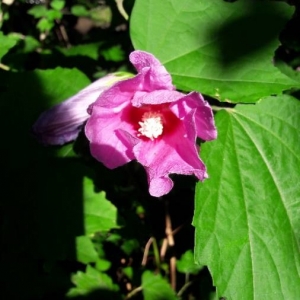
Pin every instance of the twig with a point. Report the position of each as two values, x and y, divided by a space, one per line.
4 67
184 288
173 272
171 244
121 9
62 33
177 229
164 246
146 251
152 241
163 249
133 292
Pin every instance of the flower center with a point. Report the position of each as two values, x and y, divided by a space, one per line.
151 125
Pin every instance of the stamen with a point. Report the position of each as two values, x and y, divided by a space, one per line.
152 126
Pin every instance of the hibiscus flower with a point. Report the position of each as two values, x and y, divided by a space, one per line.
146 119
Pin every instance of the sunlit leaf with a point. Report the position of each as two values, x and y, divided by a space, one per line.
156 288
30 44
221 49
38 11
247 213
6 43
186 263
53 15
79 11
45 24
86 252
99 213
89 281
102 264
57 4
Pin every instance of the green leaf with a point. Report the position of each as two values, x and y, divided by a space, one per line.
30 44
114 238
156 288
65 151
79 11
86 252
99 213
128 271
288 70
45 25
114 53
186 263
130 245
221 49
247 213
6 43
53 15
102 264
38 11
57 4
89 281
57 84
89 50
102 16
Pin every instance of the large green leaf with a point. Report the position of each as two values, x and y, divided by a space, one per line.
99 213
247 213
221 49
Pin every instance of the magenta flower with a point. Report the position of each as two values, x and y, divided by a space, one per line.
63 122
146 119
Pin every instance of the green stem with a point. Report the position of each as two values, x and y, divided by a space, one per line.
156 253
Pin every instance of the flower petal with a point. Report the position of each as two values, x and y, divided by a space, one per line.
120 93
155 97
111 141
152 76
155 75
204 119
62 123
173 153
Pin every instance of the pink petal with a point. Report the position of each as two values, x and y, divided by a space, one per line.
155 75
141 59
120 93
204 119
174 153
155 97
111 136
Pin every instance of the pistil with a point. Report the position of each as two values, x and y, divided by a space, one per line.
151 125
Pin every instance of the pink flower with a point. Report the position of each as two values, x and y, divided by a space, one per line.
63 122
146 119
